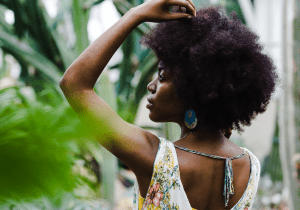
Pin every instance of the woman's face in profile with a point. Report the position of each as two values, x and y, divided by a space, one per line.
163 104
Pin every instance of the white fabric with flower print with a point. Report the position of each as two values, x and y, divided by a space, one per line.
166 191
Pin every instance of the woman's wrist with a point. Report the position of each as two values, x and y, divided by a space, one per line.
135 15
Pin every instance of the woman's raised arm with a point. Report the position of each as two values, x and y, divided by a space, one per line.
133 145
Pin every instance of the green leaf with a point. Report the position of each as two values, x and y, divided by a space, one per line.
50 96
89 3
159 129
35 158
68 55
98 2
38 29
20 27
80 20
117 66
24 50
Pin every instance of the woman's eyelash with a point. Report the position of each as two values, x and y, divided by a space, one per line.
160 76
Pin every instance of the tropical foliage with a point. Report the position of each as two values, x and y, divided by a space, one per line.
35 41
42 140
272 164
37 148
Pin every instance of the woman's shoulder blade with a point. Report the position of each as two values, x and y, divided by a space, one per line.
254 159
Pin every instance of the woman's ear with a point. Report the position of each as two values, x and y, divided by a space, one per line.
227 132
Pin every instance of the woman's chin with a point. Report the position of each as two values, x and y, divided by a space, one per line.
153 118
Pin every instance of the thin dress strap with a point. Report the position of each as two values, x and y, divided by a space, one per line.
228 181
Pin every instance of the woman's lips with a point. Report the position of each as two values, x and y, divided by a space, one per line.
150 100
149 105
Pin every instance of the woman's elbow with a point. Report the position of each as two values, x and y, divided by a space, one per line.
62 84
65 85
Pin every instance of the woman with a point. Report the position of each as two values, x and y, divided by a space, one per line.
212 76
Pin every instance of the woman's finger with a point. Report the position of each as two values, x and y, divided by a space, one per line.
173 16
183 3
191 2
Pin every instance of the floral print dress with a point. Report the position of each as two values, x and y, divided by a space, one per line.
166 190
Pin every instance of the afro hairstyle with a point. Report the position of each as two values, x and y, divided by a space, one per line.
219 67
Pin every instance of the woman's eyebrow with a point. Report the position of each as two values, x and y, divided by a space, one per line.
162 67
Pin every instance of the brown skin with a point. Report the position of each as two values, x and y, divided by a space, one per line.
202 177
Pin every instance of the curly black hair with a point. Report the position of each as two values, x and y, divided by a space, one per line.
219 68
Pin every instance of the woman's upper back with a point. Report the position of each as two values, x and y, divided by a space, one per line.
203 179
200 181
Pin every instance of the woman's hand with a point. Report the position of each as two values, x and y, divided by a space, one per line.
158 10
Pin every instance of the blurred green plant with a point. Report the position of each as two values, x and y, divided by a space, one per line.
35 42
37 143
272 164
40 149
62 202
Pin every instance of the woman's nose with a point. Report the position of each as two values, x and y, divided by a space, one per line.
151 87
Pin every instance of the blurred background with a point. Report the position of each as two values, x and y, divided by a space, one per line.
48 160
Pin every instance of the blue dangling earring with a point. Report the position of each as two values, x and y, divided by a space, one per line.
190 119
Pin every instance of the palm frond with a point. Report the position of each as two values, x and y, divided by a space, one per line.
80 20
23 49
67 55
